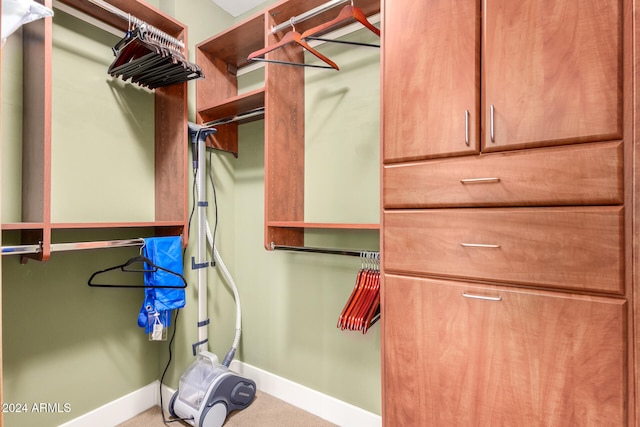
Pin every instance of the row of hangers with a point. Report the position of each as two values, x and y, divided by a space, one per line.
349 12
151 59
362 309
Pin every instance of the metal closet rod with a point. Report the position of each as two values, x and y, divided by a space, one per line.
307 15
74 246
130 18
231 119
322 250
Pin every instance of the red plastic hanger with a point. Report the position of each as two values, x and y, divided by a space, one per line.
363 307
348 307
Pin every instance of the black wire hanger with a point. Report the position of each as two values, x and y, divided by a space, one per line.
127 268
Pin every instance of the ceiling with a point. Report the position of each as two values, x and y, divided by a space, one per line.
237 7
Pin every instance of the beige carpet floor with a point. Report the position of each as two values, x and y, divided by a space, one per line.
265 411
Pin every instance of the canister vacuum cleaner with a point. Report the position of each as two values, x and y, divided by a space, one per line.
208 390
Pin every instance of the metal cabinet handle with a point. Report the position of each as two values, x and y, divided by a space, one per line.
480 180
466 127
482 297
492 123
479 245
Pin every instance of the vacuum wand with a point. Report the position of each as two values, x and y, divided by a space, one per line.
199 135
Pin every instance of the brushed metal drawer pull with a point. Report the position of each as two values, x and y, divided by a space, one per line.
466 127
491 123
482 297
478 245
479 180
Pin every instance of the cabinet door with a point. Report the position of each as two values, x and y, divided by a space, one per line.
519 358
552 72
431 76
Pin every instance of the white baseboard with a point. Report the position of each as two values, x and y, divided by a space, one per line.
119 410
324 406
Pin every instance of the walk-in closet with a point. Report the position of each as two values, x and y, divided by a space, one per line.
100 100
355 213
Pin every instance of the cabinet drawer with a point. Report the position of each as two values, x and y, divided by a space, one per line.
589 174
570 248
522 358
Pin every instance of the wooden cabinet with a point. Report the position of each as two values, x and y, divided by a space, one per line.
472 355
509 209
431 69
551 72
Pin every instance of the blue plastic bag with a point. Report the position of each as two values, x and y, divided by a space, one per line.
165 252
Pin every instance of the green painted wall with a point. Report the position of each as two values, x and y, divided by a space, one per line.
58 331
342 131
102 142
293 300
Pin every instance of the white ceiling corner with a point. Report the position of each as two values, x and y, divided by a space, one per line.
237 7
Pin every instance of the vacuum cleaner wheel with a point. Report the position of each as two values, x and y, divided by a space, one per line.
172 402
215 416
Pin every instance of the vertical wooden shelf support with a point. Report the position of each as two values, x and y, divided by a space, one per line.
284 142
171 161
36 132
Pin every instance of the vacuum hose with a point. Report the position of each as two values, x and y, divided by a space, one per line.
236 341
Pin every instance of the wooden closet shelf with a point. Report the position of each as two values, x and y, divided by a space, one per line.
134 224
137 8
23 226
234 45
323 225
89 225
233 106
